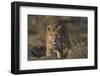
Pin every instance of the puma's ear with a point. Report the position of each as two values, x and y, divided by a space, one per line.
48 28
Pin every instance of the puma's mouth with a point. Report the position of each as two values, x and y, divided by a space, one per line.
53 42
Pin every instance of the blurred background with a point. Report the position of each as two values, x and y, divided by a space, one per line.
77 28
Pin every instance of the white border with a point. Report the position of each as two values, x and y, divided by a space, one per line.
26 65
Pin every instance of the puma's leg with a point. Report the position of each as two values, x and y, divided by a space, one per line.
58 54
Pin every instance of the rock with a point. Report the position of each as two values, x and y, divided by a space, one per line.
38 52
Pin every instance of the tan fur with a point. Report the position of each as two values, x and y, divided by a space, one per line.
51 33
54 32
